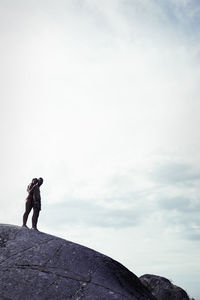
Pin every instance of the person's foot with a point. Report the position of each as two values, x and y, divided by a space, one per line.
25 226
34 228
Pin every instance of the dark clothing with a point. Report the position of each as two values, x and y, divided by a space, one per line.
35 216
36 211
36 197
32 201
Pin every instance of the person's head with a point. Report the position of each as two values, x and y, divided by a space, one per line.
34 181
40 181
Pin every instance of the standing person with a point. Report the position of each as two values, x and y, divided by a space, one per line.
33 201
29 200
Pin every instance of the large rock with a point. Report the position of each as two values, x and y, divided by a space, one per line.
162 288
35 265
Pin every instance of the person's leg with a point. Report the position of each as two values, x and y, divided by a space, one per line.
35 216
28 208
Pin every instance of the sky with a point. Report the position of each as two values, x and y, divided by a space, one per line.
101 99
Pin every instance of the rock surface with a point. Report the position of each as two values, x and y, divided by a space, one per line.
162 288
35 265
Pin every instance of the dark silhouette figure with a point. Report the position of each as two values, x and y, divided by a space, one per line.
33 201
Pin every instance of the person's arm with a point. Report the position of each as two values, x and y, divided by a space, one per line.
28 188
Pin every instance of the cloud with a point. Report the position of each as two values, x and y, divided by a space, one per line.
131 197
173 173
175 204
177 198
185 224
83 213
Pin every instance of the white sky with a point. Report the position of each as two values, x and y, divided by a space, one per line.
101 99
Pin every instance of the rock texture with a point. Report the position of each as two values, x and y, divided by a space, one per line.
162 288
35 265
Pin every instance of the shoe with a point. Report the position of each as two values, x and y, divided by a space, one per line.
25 226
34 228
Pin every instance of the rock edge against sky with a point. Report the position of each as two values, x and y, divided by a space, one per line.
37 265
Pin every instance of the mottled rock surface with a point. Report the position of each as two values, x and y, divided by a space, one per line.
35 265
162 288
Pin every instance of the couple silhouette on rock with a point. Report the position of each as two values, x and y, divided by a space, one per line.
33 201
